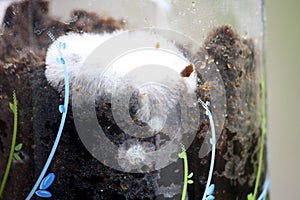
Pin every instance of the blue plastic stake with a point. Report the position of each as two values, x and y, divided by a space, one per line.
63 119
210 188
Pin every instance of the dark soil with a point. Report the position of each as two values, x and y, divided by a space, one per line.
23 45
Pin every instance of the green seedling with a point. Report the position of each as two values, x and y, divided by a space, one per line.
253 195
187 176
16 153
14 107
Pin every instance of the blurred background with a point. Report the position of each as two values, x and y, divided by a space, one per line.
282 54
282 59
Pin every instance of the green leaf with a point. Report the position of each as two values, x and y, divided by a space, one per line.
16 156
250 197
190 175
12 107
18 147
182 155
190 181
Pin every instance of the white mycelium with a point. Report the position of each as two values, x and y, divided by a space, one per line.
79 47
155 100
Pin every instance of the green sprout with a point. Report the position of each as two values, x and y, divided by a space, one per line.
16 152
13 106
253 195
187 176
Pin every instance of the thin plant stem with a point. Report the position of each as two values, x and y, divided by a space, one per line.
259 166
186 171
13 143
262 142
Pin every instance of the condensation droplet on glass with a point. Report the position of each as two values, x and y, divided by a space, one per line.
174 22
146 20
180 13
193 11
125 20
244 35
172 41
195 21
193 3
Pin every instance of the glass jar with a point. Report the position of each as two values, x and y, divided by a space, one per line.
140 99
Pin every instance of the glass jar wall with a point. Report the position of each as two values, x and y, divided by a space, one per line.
140 99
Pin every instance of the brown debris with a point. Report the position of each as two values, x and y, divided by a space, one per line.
186 72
